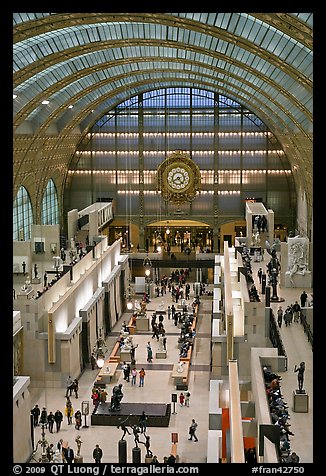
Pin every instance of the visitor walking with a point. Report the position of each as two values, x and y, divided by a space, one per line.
36 414
58 417
192 430
280 316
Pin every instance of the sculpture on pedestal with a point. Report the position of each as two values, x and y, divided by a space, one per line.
116 397
136 431
301 369
124 428
79 443
180 366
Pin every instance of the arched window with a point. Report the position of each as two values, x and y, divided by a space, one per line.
22 216
50 209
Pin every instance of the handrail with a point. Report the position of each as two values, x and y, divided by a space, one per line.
275 337
307 329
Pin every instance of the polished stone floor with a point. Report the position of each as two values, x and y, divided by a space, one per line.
159 387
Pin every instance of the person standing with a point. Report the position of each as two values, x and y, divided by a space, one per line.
97 454
280 316
75 387
143 422
69 454
303 299
149 353
259 274
187 399
44 417
181 399
142 374
93 361
58 417
36 414
45 280
78 419
69 411
50 422
192 430
69 384
172 311
296 311
24 267
133 376
169 312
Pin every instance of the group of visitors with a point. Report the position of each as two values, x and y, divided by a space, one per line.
279 413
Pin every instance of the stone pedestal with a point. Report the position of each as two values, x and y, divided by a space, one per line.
136 455
161 354
148 459
125 356
300 402
78 459
299 280
36 281
122 450
142 324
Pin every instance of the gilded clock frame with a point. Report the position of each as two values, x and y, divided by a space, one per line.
187 194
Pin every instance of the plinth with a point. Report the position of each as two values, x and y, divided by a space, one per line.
125 356
300 401
78 459
122 450
136 455
161 354
142 324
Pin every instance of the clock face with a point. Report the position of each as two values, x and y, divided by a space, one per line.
178 178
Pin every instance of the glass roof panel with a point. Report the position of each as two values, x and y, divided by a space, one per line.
279 84
304 17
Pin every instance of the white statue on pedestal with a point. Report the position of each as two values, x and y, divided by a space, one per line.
297 256
126 346
160 344
180 367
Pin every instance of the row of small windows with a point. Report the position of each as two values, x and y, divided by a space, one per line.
23 214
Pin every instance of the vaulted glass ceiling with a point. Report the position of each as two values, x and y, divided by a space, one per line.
86 63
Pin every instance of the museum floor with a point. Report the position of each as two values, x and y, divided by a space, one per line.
159 386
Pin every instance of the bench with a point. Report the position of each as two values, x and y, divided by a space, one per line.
131 327
113 356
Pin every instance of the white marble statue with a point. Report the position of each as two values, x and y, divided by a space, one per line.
127 343
160 344
180 367
297 256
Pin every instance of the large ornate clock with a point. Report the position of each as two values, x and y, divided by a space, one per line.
178 178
